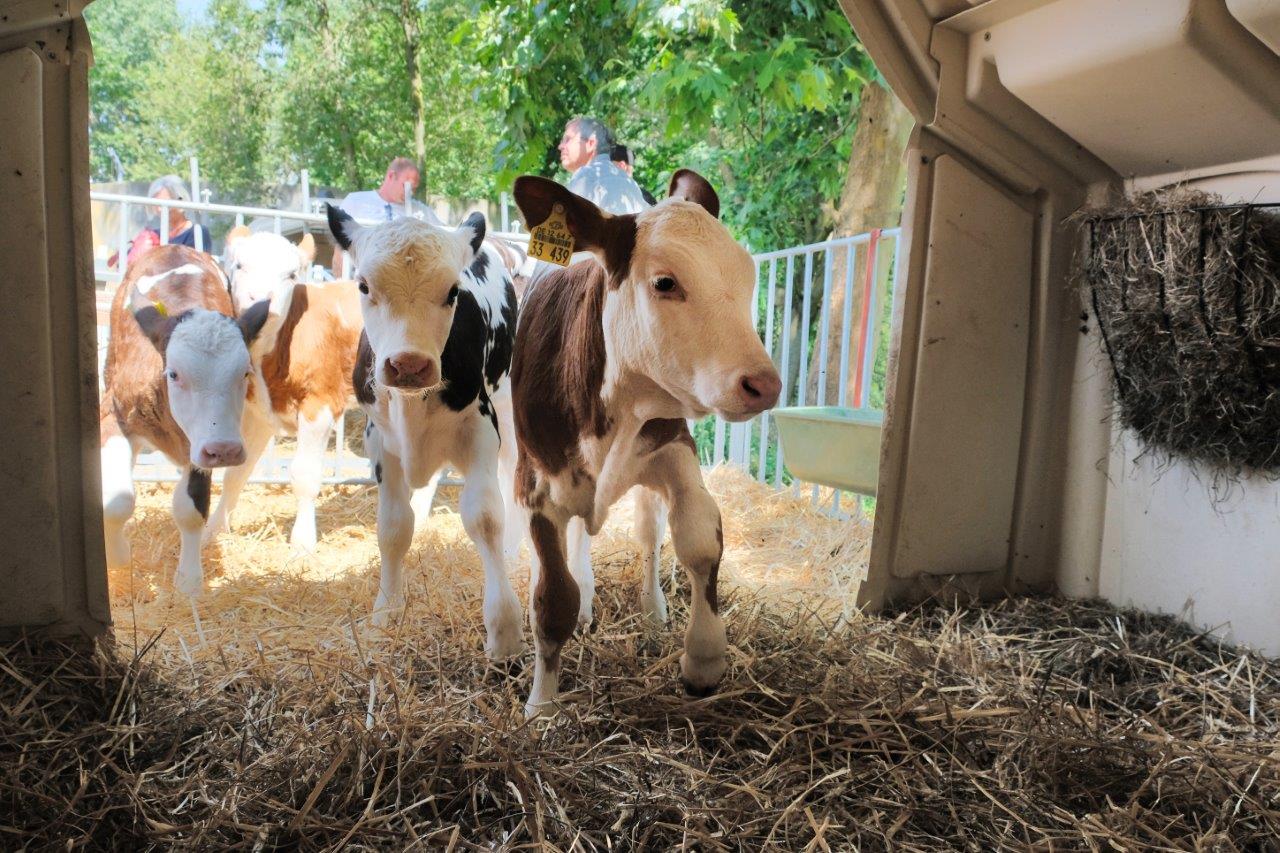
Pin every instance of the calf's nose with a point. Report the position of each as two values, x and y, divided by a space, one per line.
221 454
411 370
759 390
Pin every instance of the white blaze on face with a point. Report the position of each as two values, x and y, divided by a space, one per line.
207 372
259 265
683 316
408 274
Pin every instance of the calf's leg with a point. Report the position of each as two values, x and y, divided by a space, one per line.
395 528
190 509
117 497
482 511
699 542
650 528
555 608
580 568
306 471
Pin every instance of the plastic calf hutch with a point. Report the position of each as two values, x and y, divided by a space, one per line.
1000 469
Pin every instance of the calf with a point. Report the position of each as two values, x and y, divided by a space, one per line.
610 358
305 355
176 377
431 374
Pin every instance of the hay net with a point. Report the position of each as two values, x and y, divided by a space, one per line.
1186 294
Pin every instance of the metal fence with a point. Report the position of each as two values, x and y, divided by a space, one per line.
798 290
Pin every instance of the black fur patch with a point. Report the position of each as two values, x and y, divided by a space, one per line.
362 374
198 490
475 354
377 472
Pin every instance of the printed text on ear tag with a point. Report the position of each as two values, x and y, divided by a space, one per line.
551 240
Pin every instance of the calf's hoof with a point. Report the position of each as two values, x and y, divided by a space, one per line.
701 676
190 585
541 710
386 610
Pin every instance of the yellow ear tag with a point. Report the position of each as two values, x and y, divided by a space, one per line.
551 241
160 309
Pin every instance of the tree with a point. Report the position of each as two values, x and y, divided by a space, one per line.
759 95
874 181
130 40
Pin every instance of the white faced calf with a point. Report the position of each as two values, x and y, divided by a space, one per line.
177 374
303 357
431 374
610 358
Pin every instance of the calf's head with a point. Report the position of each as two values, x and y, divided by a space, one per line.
260 265
207 370
408 273
678 304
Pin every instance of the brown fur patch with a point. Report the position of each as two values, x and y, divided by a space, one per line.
136 395
660 432
556 597
312 364
713 596
558 365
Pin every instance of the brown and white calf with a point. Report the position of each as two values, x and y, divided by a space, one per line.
176 377
431 375
303 357
611 357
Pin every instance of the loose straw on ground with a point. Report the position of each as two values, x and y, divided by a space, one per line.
1024 724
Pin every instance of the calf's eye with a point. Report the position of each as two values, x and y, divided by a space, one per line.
364 287
665 284
173 375
453 295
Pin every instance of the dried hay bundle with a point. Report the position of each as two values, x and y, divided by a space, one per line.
280 719
1186 293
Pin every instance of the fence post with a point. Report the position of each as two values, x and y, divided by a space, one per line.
786 360
122 258
770 304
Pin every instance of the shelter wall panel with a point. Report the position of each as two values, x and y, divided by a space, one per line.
960 478
31 559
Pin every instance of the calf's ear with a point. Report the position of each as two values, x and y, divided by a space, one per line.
252 319
155 325
472 230
341 226
307 249
690 186
609 238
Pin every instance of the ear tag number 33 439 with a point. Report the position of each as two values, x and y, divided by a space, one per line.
551 240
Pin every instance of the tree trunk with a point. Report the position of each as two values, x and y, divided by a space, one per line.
871 198
409 27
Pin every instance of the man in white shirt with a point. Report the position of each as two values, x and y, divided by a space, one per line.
584 153
387 201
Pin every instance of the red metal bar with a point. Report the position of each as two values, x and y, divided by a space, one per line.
868 282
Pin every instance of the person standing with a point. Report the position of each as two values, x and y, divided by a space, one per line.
182 231
388 201
584 153
623 158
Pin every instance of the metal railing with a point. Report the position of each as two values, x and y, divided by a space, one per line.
797 292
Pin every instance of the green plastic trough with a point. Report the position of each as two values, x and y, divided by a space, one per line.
832 446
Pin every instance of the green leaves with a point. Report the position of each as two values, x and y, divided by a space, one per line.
757 95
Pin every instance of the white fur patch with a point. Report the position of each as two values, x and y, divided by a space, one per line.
491 290
146 282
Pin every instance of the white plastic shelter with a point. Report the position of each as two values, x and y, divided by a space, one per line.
1000 470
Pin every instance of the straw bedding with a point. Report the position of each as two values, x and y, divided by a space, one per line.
280 719
1186 296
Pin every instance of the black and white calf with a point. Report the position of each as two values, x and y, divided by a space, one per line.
431 374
